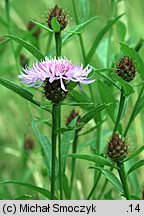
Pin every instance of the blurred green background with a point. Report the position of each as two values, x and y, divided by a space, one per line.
17 160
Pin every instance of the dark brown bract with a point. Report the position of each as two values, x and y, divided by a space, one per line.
61 16
126 69
53 91
117 148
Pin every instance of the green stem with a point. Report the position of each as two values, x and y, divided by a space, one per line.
58 54
121 106
58 44
74 149
60 153
123 178
94 186
133 112
54 140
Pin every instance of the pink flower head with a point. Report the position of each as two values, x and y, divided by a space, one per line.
55 69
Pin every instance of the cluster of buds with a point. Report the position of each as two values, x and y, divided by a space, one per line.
126 69
117 148
61 16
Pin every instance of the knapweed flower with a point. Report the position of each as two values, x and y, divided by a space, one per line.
126 69
55 74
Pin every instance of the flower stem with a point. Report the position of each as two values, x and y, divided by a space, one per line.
58 54
74 149
123 178
54 140
58 44
120 110
59 150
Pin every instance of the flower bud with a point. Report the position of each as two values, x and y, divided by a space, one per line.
126 69
61 16
117 148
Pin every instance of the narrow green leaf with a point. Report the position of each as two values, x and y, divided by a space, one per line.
107 97
80 97
42 26
135 154
99 160
76 29
55 25
128 89
18 90
111 178
32 49
100 36
45 146
129 51
40 190
136 166
92 113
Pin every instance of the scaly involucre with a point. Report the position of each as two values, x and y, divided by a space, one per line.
55 69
